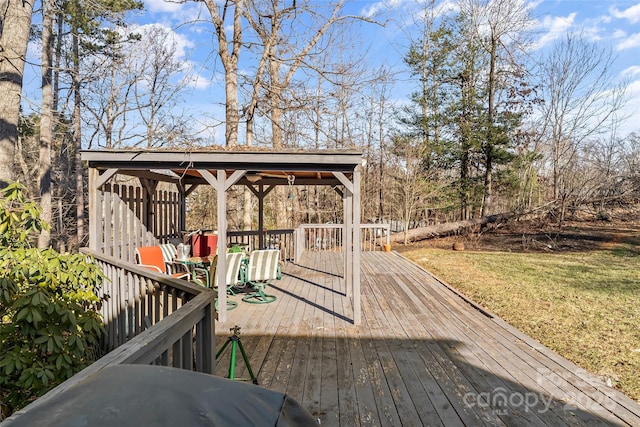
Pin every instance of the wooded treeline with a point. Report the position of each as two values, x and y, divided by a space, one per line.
493 124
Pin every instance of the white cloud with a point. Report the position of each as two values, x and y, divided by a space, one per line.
198 81
388 6
446 7
619 34
632 71
632 109
555 28
162 6
632 14
173 11
634 89
182 43
629 42
372 10
592 30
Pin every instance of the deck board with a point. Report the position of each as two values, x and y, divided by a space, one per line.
423 355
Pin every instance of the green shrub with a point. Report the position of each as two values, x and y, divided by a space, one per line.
49 324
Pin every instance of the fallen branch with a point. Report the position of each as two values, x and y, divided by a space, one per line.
452 228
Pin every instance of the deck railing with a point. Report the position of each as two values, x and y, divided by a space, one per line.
281 239
138 298
329 237
151 318
373 237
311 237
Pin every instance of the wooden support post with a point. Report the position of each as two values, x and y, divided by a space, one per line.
299 239
219 184
261 194
347 239
357 310
182 208
94 229
222 245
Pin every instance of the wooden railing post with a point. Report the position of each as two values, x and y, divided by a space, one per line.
205 341
299 234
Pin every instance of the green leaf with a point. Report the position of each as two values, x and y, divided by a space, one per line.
28 381
72 318
58 340
23 313
10 367
41 340
37 316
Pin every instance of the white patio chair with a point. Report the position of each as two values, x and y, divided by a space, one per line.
169 253
263 267
233 277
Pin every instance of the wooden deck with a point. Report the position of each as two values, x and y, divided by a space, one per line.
423 355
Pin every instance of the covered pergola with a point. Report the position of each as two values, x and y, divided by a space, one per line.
260 171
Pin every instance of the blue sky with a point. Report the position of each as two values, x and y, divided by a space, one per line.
612 23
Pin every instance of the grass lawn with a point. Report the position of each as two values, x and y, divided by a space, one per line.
583 305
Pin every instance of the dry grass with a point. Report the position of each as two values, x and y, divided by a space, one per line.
584 305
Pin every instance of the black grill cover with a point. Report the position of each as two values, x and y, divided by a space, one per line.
141 395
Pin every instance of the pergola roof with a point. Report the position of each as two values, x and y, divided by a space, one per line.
220 168
264 167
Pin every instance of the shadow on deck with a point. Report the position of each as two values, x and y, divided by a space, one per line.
422 356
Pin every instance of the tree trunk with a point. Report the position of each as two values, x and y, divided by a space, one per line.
447 229
247 222
14 36
229 61
77 140
276 113
489 139
231 110
46 123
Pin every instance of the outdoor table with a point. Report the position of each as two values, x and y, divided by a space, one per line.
193 263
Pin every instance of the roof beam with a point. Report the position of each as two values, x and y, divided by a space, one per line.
344 181
105 176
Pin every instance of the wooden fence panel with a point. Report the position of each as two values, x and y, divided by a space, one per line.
121 210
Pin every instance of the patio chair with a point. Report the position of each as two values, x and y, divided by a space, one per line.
169 253
263 267
233 277
153 257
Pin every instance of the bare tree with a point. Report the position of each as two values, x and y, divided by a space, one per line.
376 117
108 100
288 52
229 56
581 103
134 90
631 166
501 28
46 120
285 51
15 22
411 185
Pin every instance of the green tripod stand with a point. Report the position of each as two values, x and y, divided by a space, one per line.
235 344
